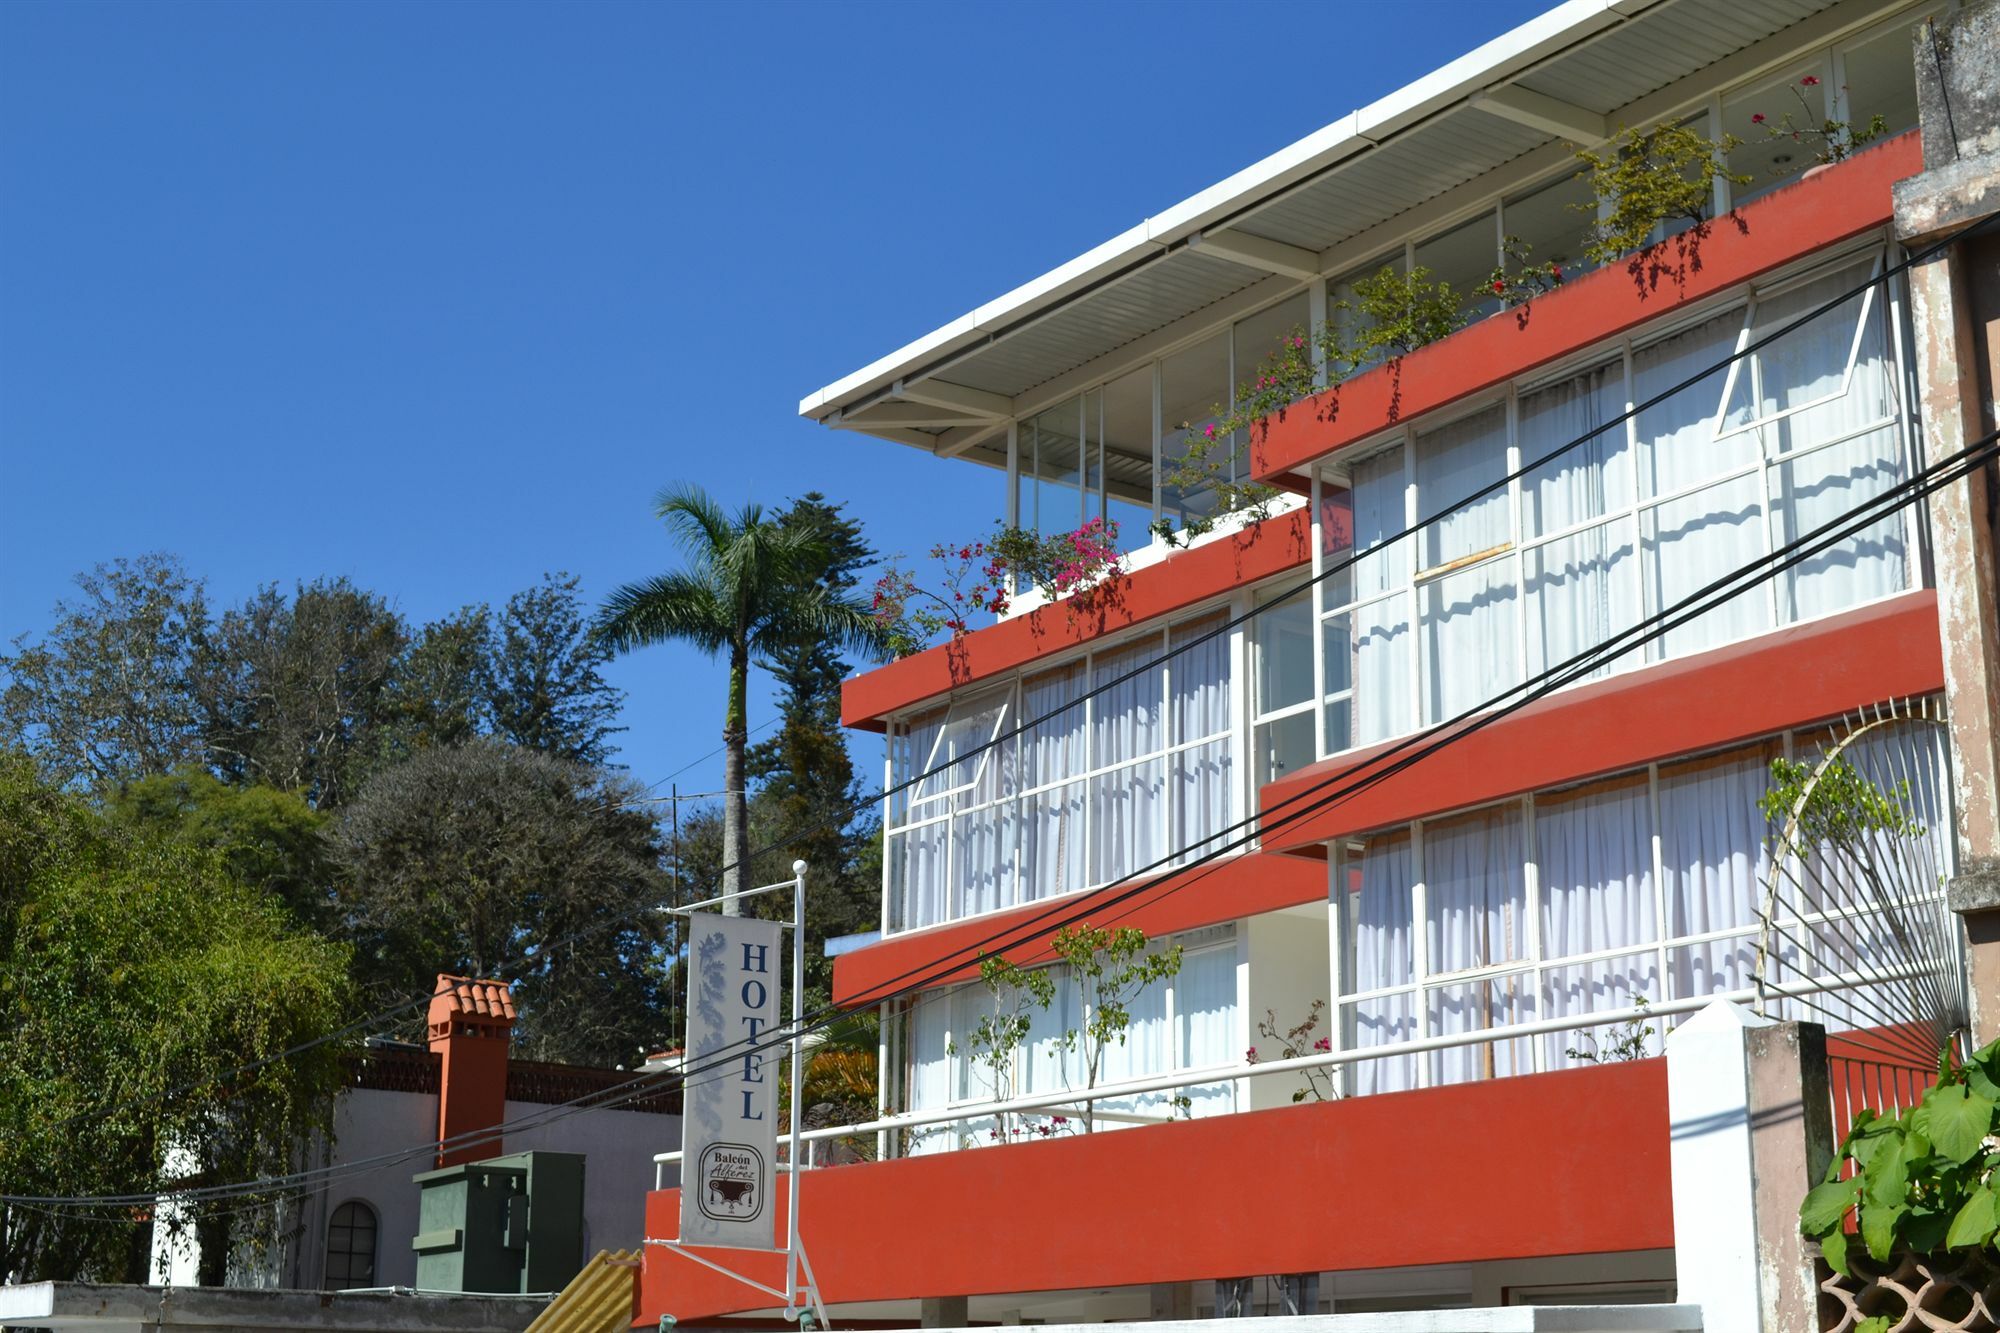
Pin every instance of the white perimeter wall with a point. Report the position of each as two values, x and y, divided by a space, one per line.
1288 971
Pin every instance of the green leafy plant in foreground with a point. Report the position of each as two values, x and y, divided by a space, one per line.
1923 1181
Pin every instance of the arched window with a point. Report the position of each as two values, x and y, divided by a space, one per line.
350 1247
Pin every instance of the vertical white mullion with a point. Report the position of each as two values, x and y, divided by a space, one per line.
1517 531
1317 315
1413 718
1661 917
1316 535
1088 871
1242 726
1764 465
1082 460
1159 461
1532 895
1014 474
1899 382
1170 758
1639 556
1336 944
1420 948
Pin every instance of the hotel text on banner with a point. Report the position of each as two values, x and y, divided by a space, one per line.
729 1127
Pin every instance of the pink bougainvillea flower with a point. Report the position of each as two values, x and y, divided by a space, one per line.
1809 81
1757 119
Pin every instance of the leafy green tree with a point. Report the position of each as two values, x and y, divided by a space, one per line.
268 840
302 688
437 692
137 976
108 694
484 858
751 589
545 679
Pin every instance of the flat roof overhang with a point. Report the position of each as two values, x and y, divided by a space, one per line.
1505 114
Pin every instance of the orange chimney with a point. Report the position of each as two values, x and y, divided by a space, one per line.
470 1025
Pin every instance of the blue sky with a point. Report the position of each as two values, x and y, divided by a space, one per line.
438 296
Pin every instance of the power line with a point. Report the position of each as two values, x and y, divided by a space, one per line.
1879 280
1437 737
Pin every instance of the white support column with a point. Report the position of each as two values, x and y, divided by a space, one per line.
1750 1132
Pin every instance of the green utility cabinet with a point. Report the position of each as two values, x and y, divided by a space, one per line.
507 1224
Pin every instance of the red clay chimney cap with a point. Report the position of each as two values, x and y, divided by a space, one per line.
464 998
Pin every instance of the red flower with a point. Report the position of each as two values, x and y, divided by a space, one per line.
1809 81
1757 119
1499 286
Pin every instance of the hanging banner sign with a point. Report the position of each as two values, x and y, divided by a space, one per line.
729 1124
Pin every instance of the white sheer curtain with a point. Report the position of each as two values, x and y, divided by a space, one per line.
1476 894
1381 629
1712 847
1204 775
1205 1016
1693 540
1384 933
1594 855
1148 1049
1579 587
1470 637
930 1071
1806 374
1051 833
1127 804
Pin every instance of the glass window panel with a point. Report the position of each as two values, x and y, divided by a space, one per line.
1052 845
1051 746
1193 384
1381 658
1284 652
1553 226
1594 852
1128 456
1384 932
1590 473
1689 544
1712 847
1769 157
1477 1006
1579 593
1804 374
1820 488
1205 802
1337 651
1051 446
1475 889
1378 515
1470 638
1128 812
1339 725
1205 1019
1464 257
1199 678
1127 719
1284 746
1453 463
1678 443
1336 517
1881 80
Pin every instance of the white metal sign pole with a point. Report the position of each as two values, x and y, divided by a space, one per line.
798 1091
729 1136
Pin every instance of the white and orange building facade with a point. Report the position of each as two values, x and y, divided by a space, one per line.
1472 929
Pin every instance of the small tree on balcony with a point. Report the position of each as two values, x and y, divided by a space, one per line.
993 1042
1083 567
1644 180
1111 968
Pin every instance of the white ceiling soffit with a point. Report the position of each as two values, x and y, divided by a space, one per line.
1562 73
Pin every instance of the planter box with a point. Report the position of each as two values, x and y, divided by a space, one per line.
1920 1293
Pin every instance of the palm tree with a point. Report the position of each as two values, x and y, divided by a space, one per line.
752 585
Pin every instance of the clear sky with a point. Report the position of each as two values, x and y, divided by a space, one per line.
437 296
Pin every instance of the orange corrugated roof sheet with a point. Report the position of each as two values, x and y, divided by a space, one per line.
464 997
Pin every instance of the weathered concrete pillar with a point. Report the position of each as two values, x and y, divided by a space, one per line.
1751 1124
1975 896
945 1312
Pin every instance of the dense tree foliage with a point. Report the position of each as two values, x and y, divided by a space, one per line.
135 974
465 858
